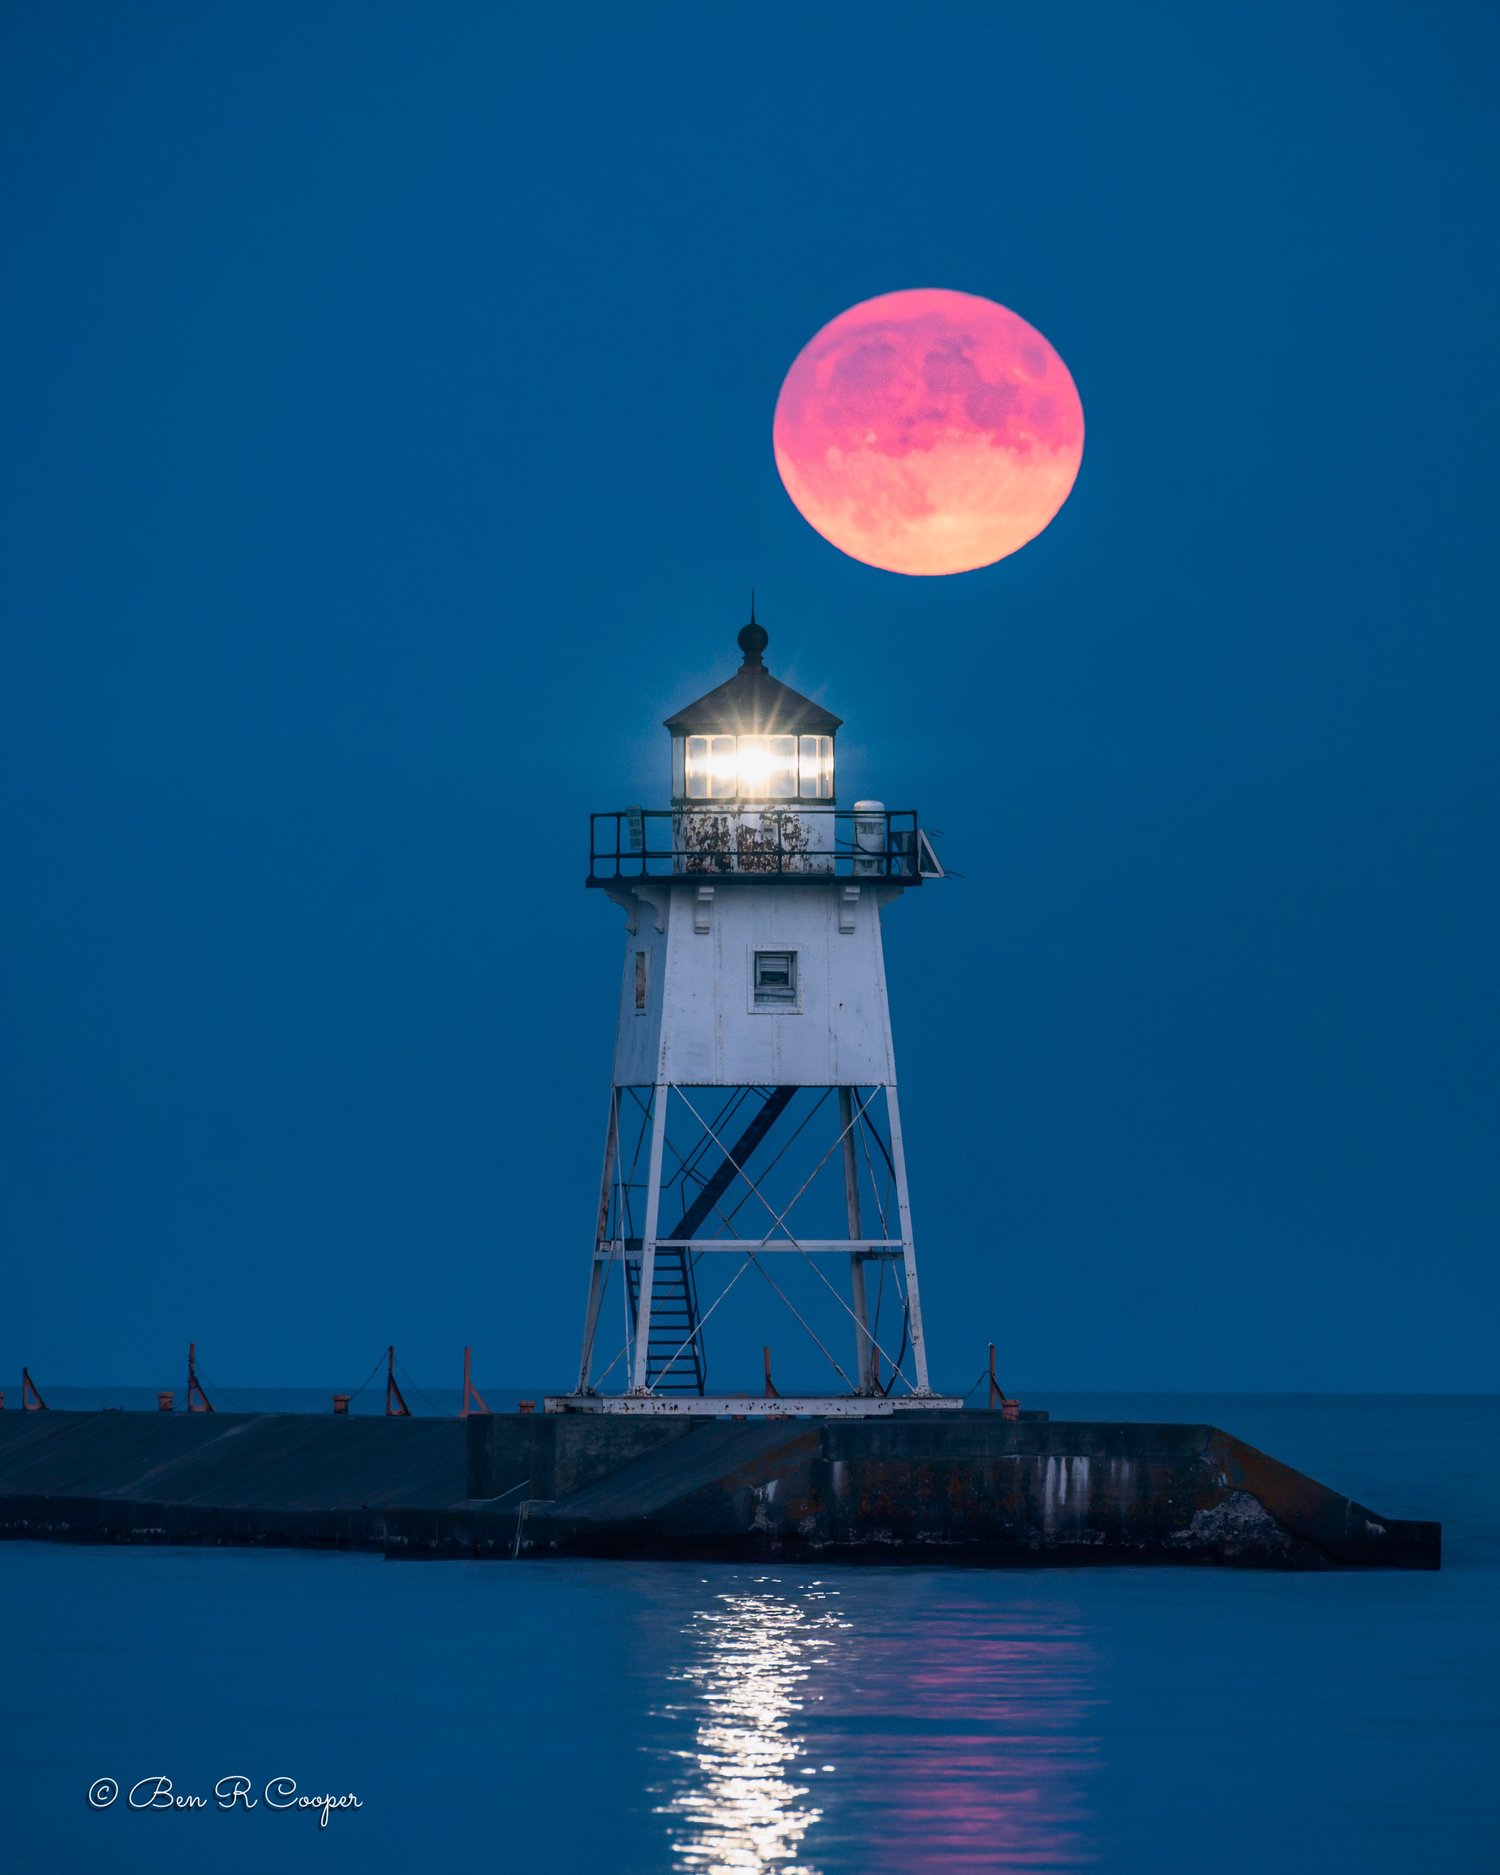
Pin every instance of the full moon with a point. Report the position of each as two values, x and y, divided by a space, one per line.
928 432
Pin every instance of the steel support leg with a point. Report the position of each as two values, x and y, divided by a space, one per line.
599 1273
908 1249
863 1346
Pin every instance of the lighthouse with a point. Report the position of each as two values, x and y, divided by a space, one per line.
754 1168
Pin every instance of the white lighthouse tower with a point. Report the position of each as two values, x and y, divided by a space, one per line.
754 1134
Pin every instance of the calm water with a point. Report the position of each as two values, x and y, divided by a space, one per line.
613 1718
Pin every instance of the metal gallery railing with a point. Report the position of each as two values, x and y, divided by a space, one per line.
734 840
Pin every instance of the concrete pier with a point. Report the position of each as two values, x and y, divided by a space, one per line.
934 1488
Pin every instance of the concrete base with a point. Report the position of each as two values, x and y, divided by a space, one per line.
937 1486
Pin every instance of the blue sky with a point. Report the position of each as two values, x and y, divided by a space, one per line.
385 450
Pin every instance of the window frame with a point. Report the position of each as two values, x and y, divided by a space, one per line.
714 787
820 758
769 1003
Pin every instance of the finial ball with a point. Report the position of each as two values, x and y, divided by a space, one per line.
753 640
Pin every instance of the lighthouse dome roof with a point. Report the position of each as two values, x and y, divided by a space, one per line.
753 702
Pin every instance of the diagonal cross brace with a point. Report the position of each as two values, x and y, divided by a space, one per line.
728 1168
681 1301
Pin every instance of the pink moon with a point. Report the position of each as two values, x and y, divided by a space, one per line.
928 432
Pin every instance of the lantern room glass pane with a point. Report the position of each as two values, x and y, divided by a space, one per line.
754 764
710 768
768 768
783 767
815 766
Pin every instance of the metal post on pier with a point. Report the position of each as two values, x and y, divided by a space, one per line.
473 1400
197 1400
395 1404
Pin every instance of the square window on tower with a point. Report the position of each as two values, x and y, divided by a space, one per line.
775 979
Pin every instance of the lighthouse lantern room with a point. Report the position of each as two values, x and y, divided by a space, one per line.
753 1141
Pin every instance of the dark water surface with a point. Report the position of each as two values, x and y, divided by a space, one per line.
619 1717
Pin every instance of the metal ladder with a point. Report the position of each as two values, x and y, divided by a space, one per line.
674 1317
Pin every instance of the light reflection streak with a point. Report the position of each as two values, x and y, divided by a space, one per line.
940 1729
739 1807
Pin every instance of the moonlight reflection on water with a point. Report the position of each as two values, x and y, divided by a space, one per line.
740 1806
910 1728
